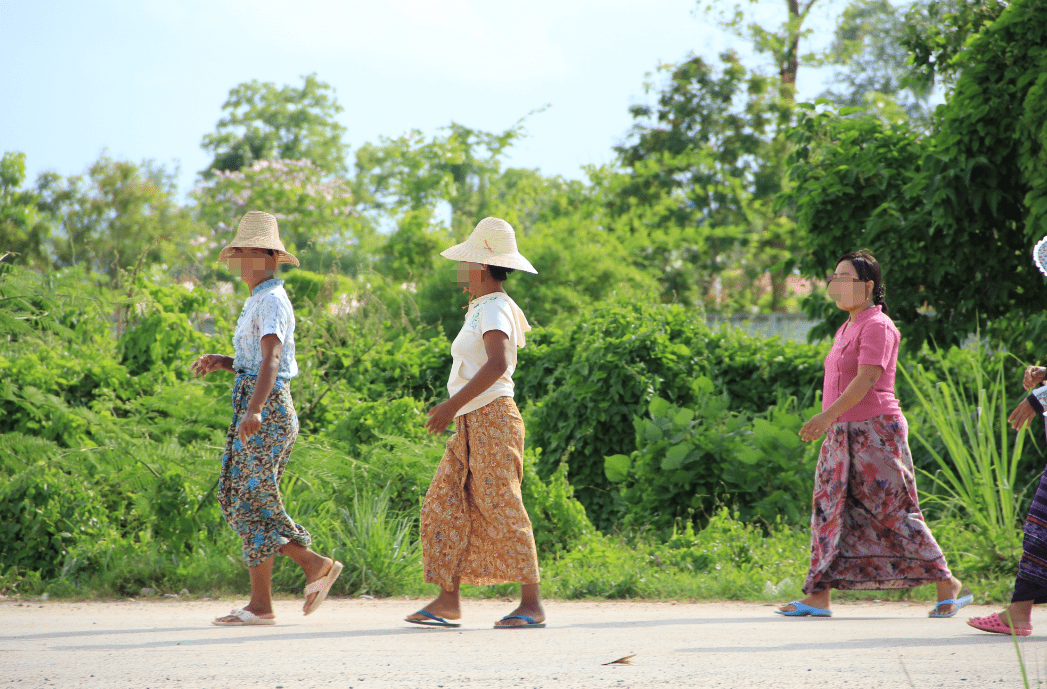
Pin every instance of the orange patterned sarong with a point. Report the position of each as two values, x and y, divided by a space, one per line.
474 527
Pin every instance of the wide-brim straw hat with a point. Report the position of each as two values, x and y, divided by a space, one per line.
492 243
258 230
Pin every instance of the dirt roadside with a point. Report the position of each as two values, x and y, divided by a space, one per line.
364 643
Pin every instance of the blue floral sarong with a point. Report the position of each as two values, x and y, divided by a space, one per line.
249 486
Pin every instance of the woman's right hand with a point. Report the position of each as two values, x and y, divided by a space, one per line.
206 364
1034 376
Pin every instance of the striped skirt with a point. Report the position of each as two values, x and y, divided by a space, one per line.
1031 582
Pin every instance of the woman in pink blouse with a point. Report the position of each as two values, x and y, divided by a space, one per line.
867 531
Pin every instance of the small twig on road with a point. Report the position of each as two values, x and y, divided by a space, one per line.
906 671
627 660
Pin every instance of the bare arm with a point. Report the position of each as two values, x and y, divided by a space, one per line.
211 362
818 424
855 391
496 344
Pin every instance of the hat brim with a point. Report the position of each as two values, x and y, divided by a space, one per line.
281 255
462 252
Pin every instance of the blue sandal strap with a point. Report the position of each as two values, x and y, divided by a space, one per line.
525 618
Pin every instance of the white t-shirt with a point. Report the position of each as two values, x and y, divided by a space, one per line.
491 312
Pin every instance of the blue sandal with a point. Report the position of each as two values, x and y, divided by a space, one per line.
530 622
803 610
436 621
960 602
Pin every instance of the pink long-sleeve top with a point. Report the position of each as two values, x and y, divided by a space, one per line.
871 340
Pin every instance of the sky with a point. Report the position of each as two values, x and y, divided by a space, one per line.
146 80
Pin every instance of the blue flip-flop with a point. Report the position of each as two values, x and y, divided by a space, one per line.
958 602
530 622
436 621
803 610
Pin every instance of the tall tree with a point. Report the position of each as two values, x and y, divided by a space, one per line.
873 70
317 212
705 163
25 226
953 216
411 173
117 216
780 43
266 122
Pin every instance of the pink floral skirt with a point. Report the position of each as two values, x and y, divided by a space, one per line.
867 531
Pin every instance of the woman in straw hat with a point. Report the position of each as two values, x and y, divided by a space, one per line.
264 425
474 527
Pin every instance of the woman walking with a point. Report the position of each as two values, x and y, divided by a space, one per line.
1030 586
867 531
474 527
264 426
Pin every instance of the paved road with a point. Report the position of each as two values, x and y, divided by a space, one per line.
363 644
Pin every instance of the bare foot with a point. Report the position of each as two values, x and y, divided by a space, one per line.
946 590
815 600
447 605
233 619
535 612
313 574
1016 621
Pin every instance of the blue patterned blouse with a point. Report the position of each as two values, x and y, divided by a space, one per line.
267 311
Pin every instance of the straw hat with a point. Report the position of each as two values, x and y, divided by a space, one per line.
258 230
492 243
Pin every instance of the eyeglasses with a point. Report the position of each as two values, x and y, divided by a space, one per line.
842 278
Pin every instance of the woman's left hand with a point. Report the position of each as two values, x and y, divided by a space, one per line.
816 427
440 417
250 424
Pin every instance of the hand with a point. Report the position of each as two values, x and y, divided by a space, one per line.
1034 376
440 417
1022 415
206 364
250 424
815 427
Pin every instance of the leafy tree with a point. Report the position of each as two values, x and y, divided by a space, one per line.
316 212
873 71
953 217
117 216
936 34
704 164
266 122
25 227
781 43
457 167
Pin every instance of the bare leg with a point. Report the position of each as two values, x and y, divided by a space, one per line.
530 605
950 588
261 592
447 605
314 566
1018 614
815 600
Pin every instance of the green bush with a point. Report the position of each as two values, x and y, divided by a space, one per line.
582 388
557 518
45 512
692 458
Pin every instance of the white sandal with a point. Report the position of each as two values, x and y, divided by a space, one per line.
321 586
244 618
